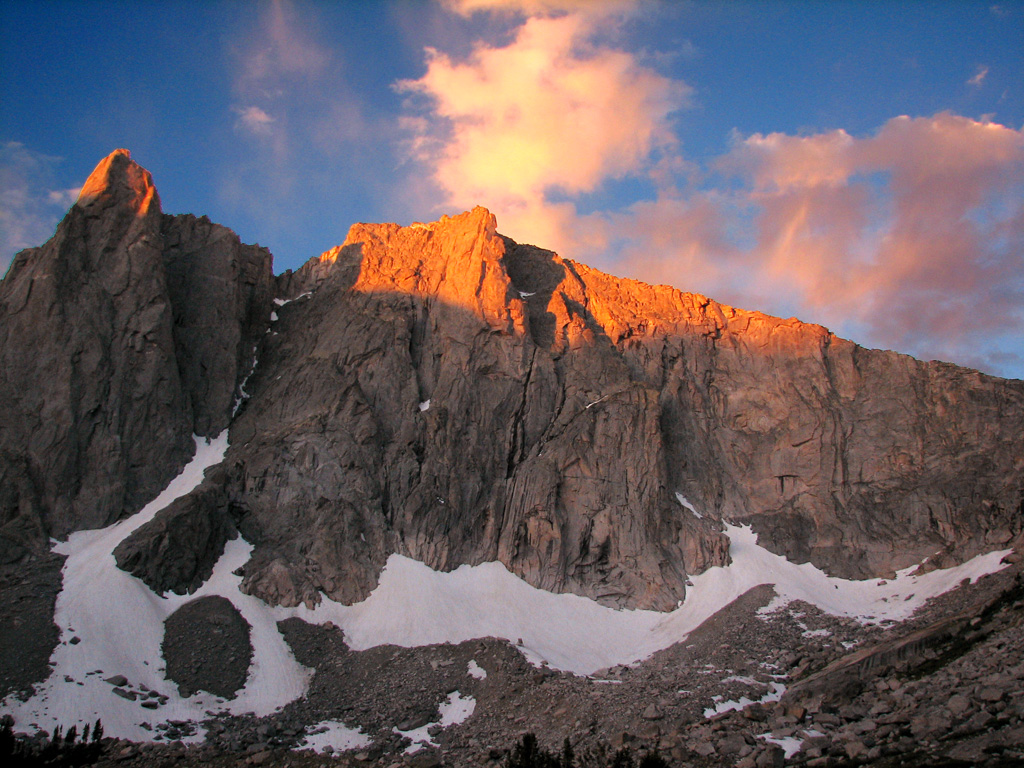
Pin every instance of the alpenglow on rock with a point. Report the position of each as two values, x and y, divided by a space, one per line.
123 335
443 392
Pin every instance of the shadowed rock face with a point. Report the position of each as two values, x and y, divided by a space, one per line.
108 363
176 551
540 448
443 392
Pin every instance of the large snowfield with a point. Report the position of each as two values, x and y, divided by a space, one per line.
118 621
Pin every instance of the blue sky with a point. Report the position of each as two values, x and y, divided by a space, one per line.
859 165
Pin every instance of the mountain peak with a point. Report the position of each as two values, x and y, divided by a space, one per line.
119 180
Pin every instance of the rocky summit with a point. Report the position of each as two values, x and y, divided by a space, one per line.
443 394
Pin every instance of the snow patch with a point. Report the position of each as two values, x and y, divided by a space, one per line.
683 500
526 294
242 394
457 709
475 670
871 601
743 679
273 317
425 405
791 744
282 302
777 689
336 735
119 621
414 605
816 633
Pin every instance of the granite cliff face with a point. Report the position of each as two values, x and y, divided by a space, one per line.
443 392
122 336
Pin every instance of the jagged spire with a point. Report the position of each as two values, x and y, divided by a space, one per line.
119 180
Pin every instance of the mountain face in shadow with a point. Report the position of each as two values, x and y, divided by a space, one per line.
443 392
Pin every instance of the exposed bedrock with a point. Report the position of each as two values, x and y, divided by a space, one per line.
456 397
127 332
445 393
177 549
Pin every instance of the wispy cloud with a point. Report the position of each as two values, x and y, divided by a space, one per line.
592 8
292 110
275 66
979 76
908 239
30 205
281 49
253 120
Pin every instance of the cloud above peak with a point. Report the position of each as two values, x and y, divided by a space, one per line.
526 127
896 239
592 8
910 238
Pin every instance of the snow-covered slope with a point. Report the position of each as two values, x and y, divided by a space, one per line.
119 625
119 622
414 605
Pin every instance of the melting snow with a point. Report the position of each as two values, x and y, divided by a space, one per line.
336 735
455 710
273 317
742 679
817 633
683 500
425 405
282 302
475 670
791 744
777 689
120 621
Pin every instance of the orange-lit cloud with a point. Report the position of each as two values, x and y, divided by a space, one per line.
898 239
913 236
550 115
979 76
540 7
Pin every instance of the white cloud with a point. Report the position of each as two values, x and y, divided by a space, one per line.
30 205
65 198
549 115
253 120
979 76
